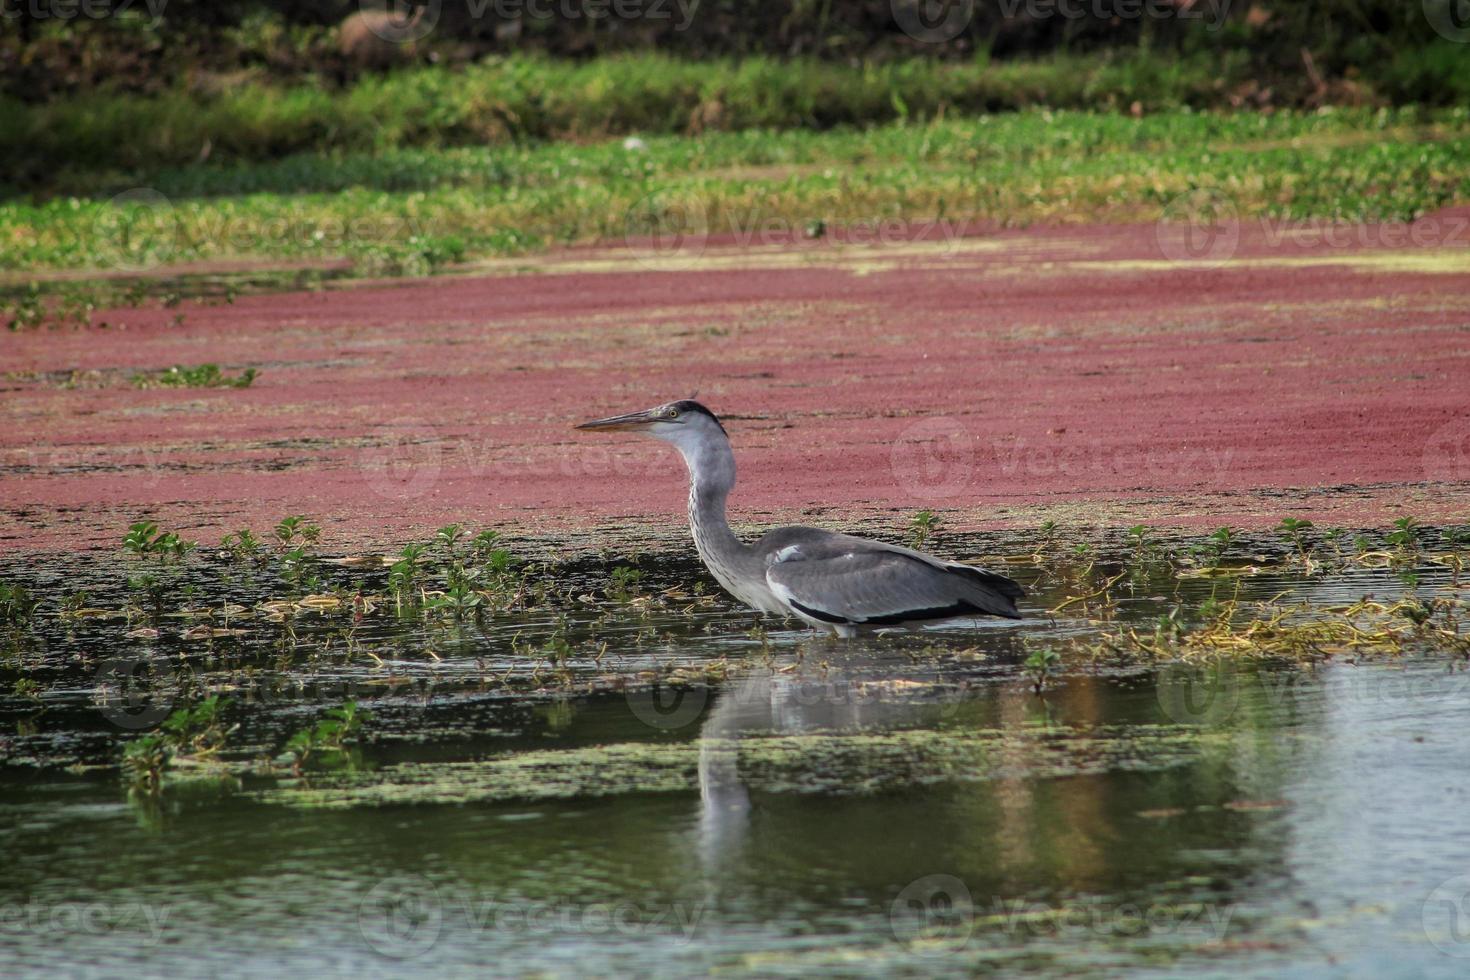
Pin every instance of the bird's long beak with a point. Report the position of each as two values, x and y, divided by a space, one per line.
618 423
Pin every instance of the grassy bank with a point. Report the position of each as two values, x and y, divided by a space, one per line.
411 211
71 145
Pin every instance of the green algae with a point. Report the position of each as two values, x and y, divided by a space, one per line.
834 763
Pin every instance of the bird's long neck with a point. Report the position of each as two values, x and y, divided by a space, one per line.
711 477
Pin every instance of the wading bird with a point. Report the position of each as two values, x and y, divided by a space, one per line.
831 581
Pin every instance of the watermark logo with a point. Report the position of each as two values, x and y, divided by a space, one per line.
136 693
932 21
1449 18
69 10
57 922
400 21
405 916
934 914
402 459
933 458
668 707
135 230
1447 453
1200 227
674 227
401 917
1193 694
1446 917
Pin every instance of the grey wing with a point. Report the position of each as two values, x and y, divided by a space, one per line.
836 578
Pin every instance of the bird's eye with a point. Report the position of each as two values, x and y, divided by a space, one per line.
673 413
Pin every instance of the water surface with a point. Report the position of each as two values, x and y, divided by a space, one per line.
899 805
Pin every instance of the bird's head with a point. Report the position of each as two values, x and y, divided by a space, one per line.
684 423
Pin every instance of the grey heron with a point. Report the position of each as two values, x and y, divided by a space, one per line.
831 581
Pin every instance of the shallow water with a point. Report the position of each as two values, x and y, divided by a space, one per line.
895 805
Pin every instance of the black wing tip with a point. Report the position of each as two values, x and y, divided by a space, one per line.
958 610
955 611
1007 587
825 617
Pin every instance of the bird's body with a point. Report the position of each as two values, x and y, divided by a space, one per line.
831 581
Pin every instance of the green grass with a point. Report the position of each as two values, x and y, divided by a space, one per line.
415 211
69 143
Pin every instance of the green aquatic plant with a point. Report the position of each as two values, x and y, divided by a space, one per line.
1301 631
242 546
296 538
1040 665
459 599
447 537
325 742
404 576
1047 535
145 539
196 732
1217 546
57 305
1295 531
76 602
624 584
26 310
163 554
198 376
295 531
1405 534
923 527
17 605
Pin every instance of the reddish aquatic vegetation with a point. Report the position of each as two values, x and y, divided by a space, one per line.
1069 373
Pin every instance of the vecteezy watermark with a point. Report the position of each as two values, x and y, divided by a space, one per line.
400 21
1447 452
933 458
404 459
932 21
669 707
937 458
1206 695
135 230
1446 917
1200 227
136 693
407 21
401 460
1094 458
938 915
670 229
934 914
403 917
57 921
1449 18
939 21
680 13
141 228
1210 694
1203 228
673 226
66 10
145 463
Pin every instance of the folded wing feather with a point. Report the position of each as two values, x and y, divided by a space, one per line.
837 578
